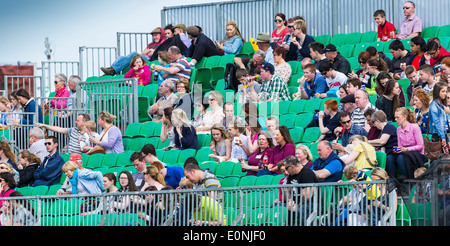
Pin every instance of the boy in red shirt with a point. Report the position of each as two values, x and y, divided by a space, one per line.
386 30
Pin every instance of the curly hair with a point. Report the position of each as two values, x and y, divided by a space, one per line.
423 97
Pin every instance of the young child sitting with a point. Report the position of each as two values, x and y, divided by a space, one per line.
248 89
88 131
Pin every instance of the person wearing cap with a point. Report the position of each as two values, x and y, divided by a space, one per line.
349 103
201 46
263 43
66 187
180 29
82 180
299 197
312 84
273 87
122 62
340 63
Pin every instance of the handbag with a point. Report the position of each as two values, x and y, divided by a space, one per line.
99 149
432 150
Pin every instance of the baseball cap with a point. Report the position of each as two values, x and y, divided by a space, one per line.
348 99
268 67
330 48
74 157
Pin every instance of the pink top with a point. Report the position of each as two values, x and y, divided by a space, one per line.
60 103
410 26
143 75
410 137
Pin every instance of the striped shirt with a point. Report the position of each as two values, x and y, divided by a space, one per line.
358 117
74 144
209 180
275 90
185 69
39 149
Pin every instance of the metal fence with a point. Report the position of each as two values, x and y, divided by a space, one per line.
132 42
50 69
93 58
310 205
322 16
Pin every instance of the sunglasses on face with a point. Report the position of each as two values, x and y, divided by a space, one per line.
277 20
345 122
48 143
406 7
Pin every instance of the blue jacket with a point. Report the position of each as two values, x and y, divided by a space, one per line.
92 181
189 139
233 45
438 120
31 108
52 172
319 85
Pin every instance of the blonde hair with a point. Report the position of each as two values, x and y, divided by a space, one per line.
222 130
158 165
180 116
31 157
300 24
8 152
305 150
91 125
350 172
410 116
217 96
184 182
164 55
184 82
9 167
380 173
69 166
5 101
107 117
236 30
153 172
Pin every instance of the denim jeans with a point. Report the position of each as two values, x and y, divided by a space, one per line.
394 161
124 61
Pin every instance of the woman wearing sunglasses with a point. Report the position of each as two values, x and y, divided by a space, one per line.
282 30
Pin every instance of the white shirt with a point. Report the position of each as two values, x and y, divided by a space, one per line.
339 80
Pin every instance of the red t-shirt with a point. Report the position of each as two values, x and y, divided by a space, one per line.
416 62
386 31
279 37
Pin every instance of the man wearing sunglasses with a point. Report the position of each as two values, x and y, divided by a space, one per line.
412 25
349 129
50 170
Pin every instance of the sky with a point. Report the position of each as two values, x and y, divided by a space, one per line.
70 24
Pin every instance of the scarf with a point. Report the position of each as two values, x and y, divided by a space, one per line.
73 181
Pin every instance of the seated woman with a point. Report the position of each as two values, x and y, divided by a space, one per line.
272 124
381 81
262 158
282 68
60 91
111 136
282 30
4 110
388 133
200 115
284 148
304 155
214 116
221 143
185 134
388 102
361 153
438 118
167 129
233 42
83 181
15 108
28 163
252 130
363 74
239 149
184 100
422 106
409 155
139 70
328 120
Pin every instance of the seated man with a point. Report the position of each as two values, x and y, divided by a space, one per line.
167 99
263 42
412 25
201 46
344 133
50 170
362 104
328 167
401 56
178 69
312 84
340 63
251 66
273 88
203 179
334 78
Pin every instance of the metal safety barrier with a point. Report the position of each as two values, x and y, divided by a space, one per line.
305 205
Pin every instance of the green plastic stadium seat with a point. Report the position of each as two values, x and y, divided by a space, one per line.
429 32
353 38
